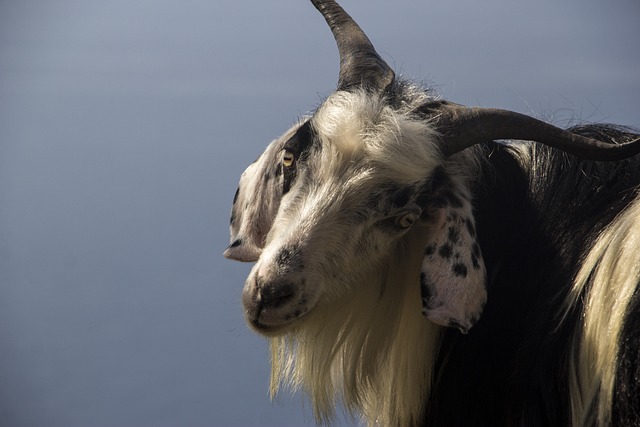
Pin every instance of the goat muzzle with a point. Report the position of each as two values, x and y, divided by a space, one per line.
271 306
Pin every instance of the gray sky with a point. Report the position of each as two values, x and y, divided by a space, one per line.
124 127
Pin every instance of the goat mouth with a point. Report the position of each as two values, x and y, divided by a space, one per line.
273 327
270 317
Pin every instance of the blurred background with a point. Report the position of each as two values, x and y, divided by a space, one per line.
124 128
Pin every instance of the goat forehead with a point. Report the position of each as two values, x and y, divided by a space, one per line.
362 126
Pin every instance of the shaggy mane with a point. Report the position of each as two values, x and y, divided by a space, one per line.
373 349
611 271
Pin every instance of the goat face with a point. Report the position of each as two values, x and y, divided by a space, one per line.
326 204
330 200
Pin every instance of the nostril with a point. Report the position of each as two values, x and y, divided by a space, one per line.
277 294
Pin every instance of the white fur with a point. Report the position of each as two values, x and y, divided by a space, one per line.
372 348
256 205
353 331
611 273
363 339
361 126
365 144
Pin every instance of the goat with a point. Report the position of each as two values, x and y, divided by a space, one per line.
426 263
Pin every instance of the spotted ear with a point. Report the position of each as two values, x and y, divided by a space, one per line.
255 205
453 275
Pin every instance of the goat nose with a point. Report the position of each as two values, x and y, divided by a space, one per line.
276 295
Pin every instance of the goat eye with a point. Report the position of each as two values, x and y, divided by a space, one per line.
287 158
406 220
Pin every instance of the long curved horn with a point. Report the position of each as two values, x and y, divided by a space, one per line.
461 127
360 64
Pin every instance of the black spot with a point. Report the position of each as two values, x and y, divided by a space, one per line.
276 295
278 171
423 195
399 197
266 177
430 250
373 200
290 258
233 218
474 261
470 227
453 235
425 289
440 179
437 203
423 282
235 196
446 251
301 141
451 199
455 324
476 255
459 269
285 255
299 144
235 243
475 250
289 176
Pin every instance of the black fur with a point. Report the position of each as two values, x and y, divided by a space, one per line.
299 144
534 225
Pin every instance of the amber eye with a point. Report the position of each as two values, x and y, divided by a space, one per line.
287 158
406 220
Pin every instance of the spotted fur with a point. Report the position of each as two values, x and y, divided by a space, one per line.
452 279
358 225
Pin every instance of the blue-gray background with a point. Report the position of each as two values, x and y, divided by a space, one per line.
124 126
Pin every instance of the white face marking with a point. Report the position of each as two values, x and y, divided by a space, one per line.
327 232
348 190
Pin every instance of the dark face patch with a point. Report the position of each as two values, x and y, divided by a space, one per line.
470 227
446 251
453 234
442 195
299 145
232 220
476 255
447 198
425 290
392 197
290 258
401 196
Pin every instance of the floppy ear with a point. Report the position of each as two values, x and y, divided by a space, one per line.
255 205
453 275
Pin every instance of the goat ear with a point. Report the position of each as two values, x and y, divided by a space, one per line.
453 275
255 205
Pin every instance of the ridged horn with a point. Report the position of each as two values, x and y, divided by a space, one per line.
360 64
462 127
